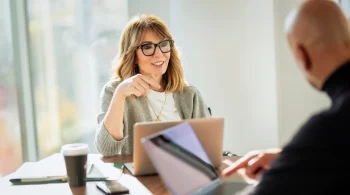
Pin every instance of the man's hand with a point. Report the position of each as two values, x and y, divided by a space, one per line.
254 162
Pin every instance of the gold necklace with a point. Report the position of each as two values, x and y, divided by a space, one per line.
160 112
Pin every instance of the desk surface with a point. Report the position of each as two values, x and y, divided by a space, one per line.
152 183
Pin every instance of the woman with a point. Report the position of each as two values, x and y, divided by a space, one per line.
149 85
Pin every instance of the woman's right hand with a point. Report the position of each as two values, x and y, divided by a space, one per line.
138 85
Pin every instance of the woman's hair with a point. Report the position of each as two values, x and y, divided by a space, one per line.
173 78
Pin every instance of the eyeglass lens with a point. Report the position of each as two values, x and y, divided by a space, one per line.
150 48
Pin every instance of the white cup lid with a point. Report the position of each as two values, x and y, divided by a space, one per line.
75 149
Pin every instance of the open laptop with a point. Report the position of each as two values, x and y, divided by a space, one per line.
183 164
208 130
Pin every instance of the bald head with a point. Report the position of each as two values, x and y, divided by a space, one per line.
318 34
318 23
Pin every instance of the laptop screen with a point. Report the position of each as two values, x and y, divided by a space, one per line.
180 159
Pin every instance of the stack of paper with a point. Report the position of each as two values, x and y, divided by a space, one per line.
33 172
53 170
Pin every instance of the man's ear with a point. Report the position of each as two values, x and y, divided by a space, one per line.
303 57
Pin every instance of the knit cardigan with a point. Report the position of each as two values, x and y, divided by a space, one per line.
188 102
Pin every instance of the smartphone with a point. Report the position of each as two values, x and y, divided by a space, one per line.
112 187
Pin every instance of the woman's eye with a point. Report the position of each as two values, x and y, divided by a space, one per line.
147 46
164 44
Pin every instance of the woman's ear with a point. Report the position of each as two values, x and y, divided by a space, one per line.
303 57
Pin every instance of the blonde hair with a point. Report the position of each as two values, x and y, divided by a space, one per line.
173 78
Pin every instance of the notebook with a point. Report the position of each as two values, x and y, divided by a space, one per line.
38 172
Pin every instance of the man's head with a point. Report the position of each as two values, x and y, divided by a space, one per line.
318 34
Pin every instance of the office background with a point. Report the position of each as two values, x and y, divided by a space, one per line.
55 56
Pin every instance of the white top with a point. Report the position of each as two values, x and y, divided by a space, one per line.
156 101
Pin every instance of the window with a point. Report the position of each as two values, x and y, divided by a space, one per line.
72 44
10 139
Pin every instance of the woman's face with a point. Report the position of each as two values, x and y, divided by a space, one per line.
157 63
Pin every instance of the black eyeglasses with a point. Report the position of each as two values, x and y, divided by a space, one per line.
148 49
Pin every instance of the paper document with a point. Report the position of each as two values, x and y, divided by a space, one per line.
53 170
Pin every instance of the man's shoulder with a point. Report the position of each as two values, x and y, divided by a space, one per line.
338 113
328 125
337 116
341 108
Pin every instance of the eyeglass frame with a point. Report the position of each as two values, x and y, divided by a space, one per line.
156 45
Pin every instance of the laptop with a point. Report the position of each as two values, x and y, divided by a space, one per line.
210 132
183 164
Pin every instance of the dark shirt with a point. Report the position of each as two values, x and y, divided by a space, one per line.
313 162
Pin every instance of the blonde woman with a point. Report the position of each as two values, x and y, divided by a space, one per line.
149 85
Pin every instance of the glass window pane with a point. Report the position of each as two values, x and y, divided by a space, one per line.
10 139
72 43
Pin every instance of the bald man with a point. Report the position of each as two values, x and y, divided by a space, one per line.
313 162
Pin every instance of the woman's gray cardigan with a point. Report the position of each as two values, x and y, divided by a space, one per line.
189 104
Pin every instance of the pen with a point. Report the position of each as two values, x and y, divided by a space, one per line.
45 180
90 168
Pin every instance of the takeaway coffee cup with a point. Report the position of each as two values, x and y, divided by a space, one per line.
75 157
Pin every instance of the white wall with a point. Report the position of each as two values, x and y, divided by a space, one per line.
346 7
235 53
159 8
228 54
